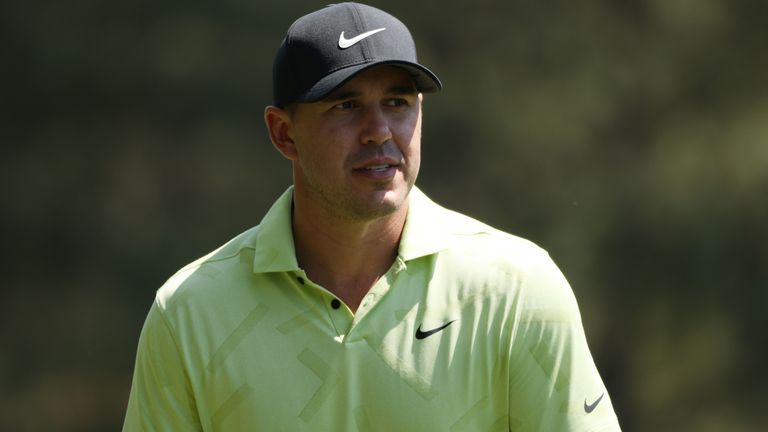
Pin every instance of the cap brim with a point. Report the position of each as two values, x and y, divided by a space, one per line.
423 78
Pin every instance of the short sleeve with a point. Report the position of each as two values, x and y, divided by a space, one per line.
554 383
161 397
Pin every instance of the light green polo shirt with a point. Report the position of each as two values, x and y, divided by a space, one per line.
471 329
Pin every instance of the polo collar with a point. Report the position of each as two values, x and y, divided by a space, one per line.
274 250
427 231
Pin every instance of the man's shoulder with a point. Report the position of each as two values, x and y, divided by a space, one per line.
467 227
480 243
468 236
500 262
207 274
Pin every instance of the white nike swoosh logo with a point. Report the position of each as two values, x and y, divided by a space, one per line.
345 43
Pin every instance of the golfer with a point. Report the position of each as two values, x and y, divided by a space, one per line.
357 303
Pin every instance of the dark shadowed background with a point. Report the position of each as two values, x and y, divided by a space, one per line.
630 139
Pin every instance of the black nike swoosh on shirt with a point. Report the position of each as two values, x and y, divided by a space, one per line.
423 334
588 408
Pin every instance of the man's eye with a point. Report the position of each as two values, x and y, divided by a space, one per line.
396 102
345 105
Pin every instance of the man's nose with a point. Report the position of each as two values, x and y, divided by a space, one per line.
376 129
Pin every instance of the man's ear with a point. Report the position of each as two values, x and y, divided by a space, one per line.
278 123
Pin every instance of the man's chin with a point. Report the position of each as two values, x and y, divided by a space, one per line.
381 203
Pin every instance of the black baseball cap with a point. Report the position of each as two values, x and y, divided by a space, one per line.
326 48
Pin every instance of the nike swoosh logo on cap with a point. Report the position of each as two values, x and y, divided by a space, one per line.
345 43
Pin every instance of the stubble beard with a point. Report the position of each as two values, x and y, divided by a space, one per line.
349 206
352 205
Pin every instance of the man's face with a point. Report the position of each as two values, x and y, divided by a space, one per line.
358 150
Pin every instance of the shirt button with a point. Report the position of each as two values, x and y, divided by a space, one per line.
301 280
335 303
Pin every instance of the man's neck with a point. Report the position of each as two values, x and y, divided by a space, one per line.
346 257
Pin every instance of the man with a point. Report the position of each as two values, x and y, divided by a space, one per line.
357 304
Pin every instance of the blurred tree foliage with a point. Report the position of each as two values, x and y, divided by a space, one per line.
628 138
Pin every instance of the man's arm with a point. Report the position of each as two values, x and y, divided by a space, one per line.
161 396
554 384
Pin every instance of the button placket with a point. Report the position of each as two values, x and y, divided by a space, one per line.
339 317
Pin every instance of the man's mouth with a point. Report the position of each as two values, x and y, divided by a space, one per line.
377 167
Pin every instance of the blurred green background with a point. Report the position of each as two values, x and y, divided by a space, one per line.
630 139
